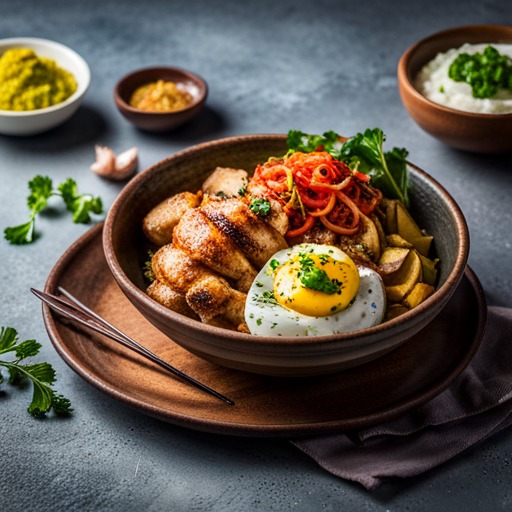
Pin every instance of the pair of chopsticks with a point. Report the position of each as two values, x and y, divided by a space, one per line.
75 310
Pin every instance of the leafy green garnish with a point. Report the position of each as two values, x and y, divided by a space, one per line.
363 153
260 207
41 189
243 191
79 205
485 72
314 278
42 375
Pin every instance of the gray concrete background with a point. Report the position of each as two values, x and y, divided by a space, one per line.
271 66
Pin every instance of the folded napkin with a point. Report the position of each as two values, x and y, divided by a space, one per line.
477 404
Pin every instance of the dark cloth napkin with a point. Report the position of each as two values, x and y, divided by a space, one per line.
477 404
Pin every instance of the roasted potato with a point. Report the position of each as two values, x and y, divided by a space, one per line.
418 294
394 310
400 283
369 237
392 259
429 270
409 230
397 241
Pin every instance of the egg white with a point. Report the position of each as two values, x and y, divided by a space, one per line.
266 317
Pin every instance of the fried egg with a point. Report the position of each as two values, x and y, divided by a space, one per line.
314 290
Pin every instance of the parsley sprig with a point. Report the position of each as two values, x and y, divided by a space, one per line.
314 278
260 207
41 189
42 375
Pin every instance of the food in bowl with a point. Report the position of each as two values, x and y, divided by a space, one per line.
160 96
472 78
307 245
29 82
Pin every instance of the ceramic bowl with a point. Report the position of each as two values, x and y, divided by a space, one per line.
124 246
482 133
160 121
33 122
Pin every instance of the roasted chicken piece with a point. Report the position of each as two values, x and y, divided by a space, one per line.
257 239
277 218
170 298
201 240
159 223
208 294
225 182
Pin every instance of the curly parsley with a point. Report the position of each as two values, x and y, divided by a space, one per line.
314 278
260 207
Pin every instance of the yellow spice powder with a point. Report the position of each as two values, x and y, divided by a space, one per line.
29 82
160 97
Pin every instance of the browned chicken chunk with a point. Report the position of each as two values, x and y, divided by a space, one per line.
257 239
201 240
225 182
170 298
208 294
159 223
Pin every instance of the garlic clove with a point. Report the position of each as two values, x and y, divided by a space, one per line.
105 161
110 167
126 164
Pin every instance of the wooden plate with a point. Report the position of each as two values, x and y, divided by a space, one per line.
265 406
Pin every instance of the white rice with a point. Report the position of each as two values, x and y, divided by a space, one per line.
433 78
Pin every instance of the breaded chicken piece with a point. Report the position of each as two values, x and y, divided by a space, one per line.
207 293
170 298
225 181
201 240
277 217
257 239
159 223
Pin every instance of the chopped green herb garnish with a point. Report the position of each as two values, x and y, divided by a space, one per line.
441 89
148 267
258 321
243 191
273 325
274 264
259 284
260 207
314 278
486 72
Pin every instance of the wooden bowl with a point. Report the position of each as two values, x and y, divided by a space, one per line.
160 121
481 133
124 243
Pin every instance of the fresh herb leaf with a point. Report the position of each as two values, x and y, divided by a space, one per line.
363 153
243 191
274 264
41 188
79 205
267 297
260 207
314 278
42 375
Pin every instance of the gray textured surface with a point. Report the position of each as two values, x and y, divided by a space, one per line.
271 66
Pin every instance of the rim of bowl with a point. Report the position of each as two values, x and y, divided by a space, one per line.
444 291
194 78
405 78
80 90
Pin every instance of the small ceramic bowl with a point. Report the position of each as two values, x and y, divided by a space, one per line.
160 121
33 122
481 133
124 245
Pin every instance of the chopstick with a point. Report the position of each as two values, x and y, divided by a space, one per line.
75 310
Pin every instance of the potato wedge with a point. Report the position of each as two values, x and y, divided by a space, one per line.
391 224
429 270
400 283
369 237
395 310
397 241
418 294
392 259
409 230
380 232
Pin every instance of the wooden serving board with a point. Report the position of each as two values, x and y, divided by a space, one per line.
264 406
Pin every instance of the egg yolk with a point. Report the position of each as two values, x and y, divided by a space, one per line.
294 280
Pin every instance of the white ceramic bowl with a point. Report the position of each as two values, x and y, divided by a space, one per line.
32 122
